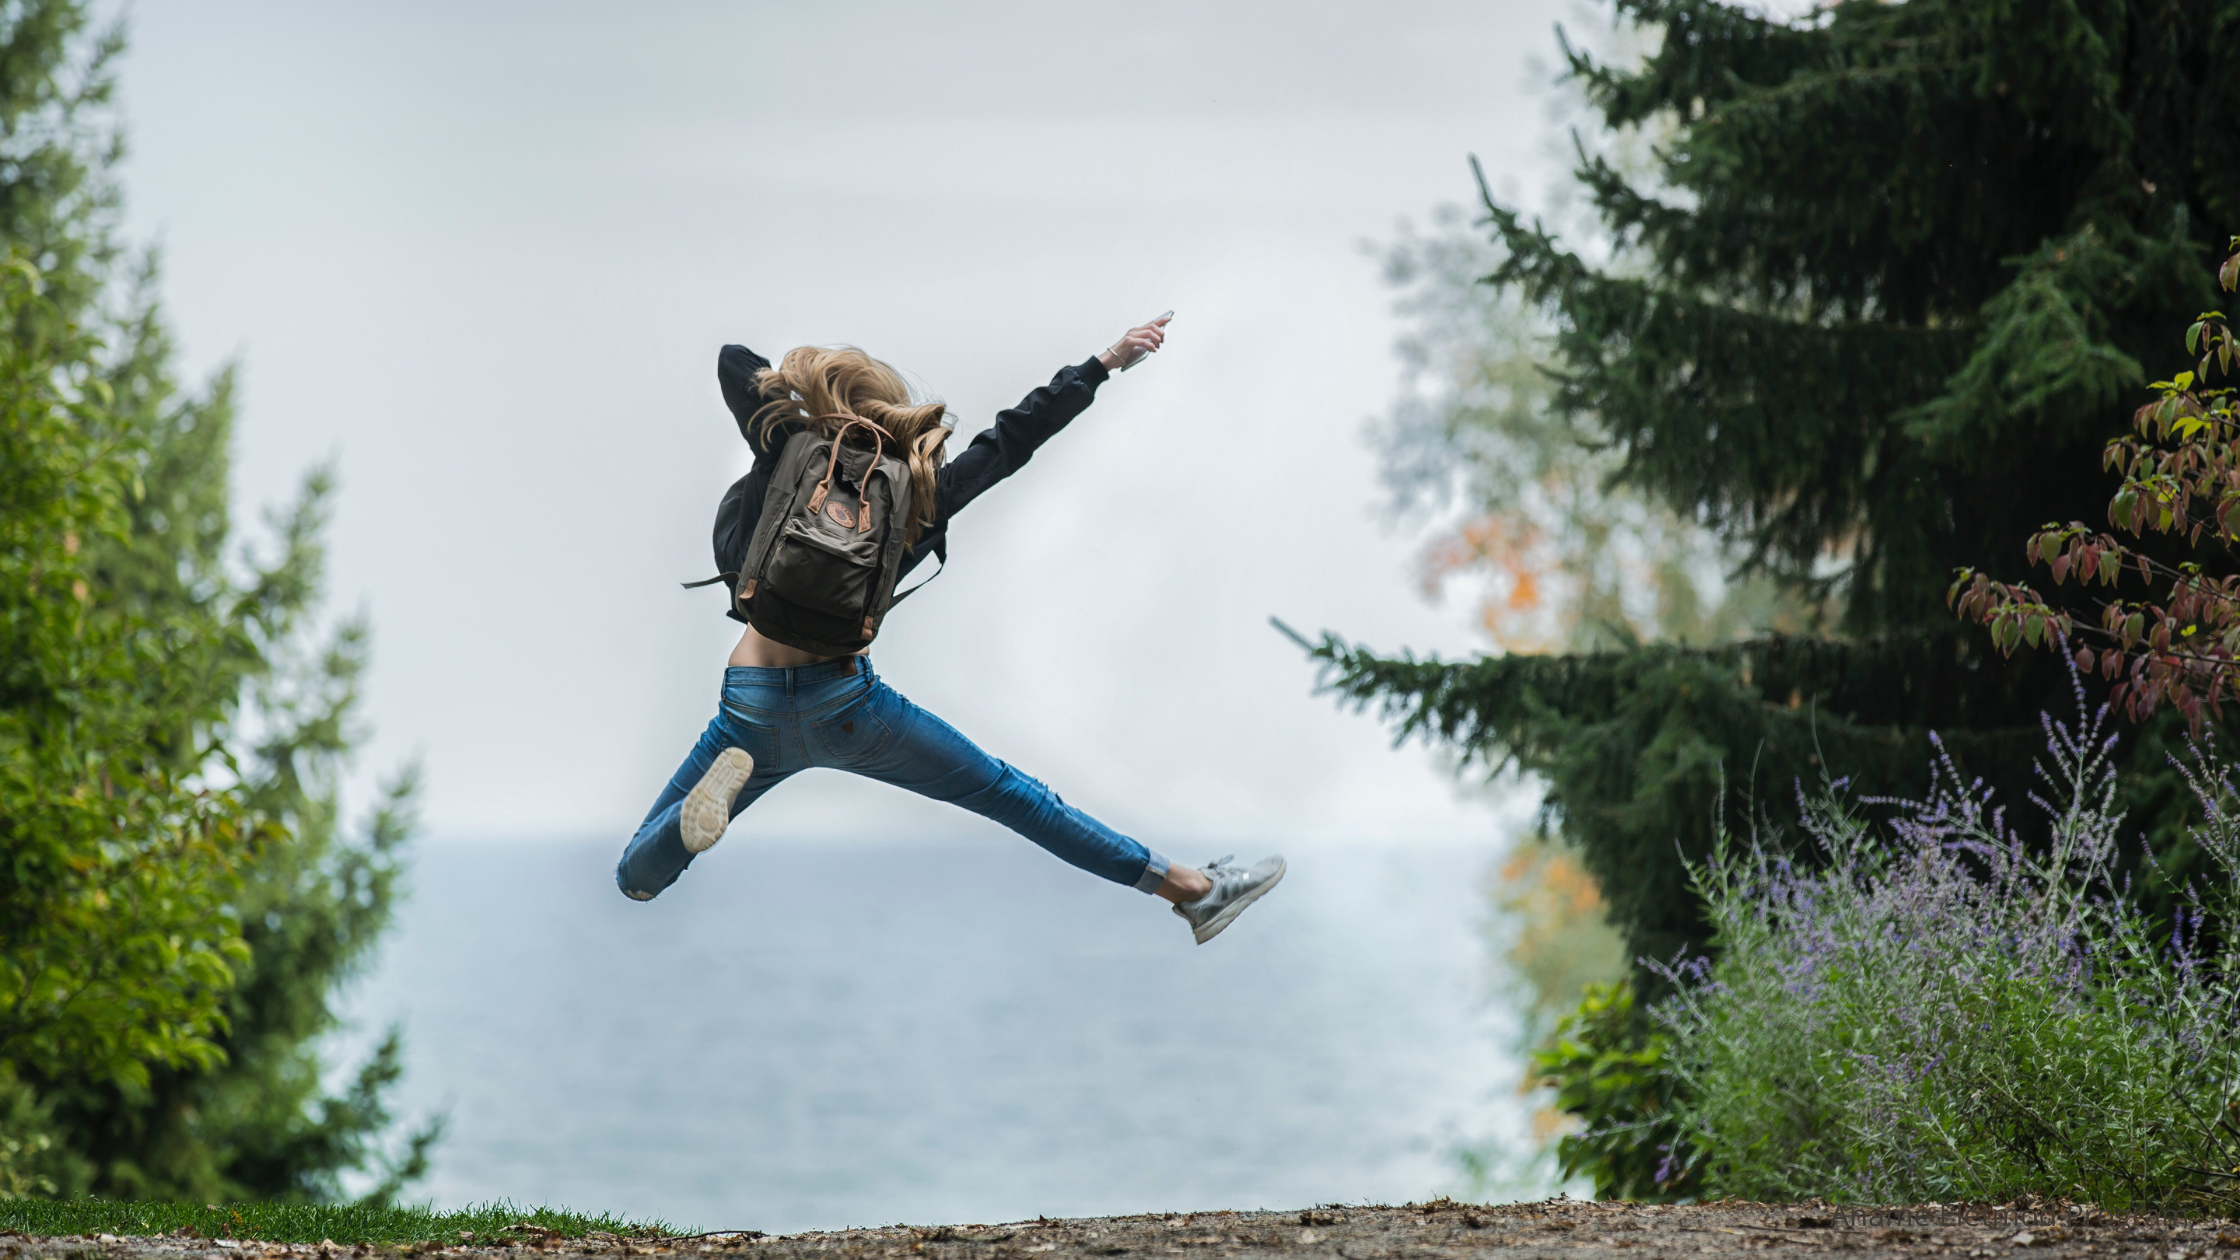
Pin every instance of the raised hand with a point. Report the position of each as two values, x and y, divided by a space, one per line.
1137 342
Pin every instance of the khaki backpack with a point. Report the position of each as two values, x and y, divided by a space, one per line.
820 572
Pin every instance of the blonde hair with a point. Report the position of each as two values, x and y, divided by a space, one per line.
827 387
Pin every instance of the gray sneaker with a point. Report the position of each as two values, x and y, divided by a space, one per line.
707 807
1234 888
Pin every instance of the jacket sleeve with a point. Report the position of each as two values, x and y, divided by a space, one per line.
1006 447
735 372
736 367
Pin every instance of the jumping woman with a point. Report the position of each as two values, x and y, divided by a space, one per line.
851 490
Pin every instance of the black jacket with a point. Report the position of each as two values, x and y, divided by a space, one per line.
995 454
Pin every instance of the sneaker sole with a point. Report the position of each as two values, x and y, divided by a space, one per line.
707 807
1230 912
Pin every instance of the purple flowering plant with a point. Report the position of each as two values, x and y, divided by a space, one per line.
1935 1012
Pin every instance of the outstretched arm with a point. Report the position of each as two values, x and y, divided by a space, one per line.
1004 448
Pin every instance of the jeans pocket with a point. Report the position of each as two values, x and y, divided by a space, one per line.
858 732
755 731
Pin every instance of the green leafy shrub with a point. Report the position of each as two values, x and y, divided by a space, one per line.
1612 1070
119 918
25 1138
1940 1012
179 895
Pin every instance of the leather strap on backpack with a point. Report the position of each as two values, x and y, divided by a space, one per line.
879 438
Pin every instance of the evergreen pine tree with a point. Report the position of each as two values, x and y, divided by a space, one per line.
1898 276
180 687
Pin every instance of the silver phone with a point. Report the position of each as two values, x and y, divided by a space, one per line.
1140 355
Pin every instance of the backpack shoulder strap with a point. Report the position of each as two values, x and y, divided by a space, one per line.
941 565
941 562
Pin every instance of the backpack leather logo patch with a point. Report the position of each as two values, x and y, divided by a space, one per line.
840 515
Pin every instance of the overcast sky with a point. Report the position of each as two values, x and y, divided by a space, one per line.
482 257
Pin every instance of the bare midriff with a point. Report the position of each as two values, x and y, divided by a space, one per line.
756 652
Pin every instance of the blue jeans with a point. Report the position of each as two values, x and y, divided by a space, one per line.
839 714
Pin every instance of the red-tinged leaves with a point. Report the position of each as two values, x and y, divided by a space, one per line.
2180 468
1964 604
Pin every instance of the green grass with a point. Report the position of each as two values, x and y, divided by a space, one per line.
309 1223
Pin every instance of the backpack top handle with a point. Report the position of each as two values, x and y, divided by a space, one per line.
879 438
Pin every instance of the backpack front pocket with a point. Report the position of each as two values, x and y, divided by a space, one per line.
810 568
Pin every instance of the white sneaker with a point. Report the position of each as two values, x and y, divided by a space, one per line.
707 807
1234 888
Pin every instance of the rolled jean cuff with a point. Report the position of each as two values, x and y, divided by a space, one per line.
1154 872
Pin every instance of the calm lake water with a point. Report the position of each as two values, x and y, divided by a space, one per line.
804 1036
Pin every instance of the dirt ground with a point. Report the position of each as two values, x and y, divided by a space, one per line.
1567 1228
